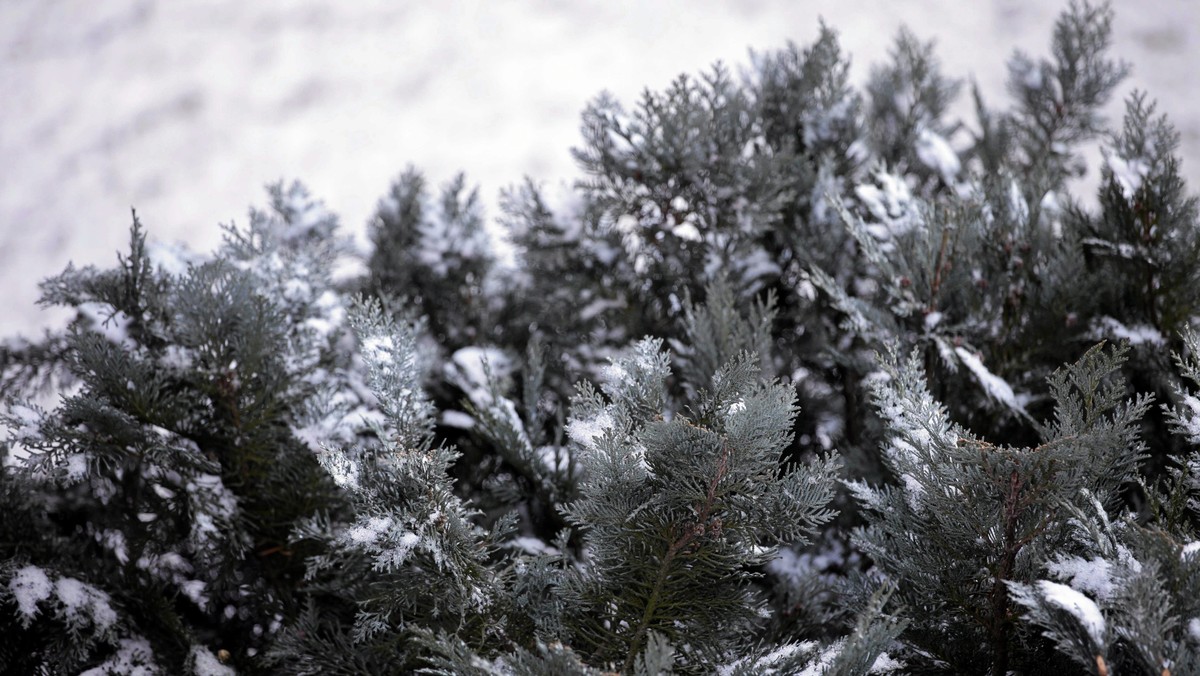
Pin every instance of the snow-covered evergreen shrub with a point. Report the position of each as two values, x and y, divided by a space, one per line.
804 380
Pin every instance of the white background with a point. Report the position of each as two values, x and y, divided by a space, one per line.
185 110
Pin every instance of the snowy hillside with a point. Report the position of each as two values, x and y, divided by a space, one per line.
185 110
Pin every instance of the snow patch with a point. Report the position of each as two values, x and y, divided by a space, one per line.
24 423
77 466
886 664
825 660
687 231
30 586
890 203
586 431
174 258
370 531
204 663
1138 334
110 323
532 546
397 553
1084 609
457 420
1129 173
935 152
995 386
1091 575
1189 550
469 367
378 349
82 601
134 657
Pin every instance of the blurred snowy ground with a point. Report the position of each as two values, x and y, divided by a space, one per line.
185 110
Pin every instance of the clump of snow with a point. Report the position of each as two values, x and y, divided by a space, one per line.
213 509
77 466
451 238
1032 77
204 663
532 546
24 423
110 323
1189 550
457 419
1050 214
935 152
395 553
598 306
114 541
556 459
1094 576
890 203
768 664
753 268
82 602
1190 418
586 431
1084 609
1018 208
134 657
1193 628
369 531
687 231
469 368
345 472
1138 334
1129 173
303 216
377 349
174 258
616 375
823 124
886 664
995 386
825 660
932 320
194 590
30 586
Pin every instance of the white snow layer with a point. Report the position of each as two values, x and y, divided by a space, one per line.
30 586
468 369
1084 609
996 387
586 431
82 601
134 657
886 664
890 203
1190 418
1189 550
935 152
1094 576
1108 327
370 530
24 423
204 663
1129 173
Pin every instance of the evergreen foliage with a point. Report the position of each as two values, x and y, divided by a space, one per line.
805 380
